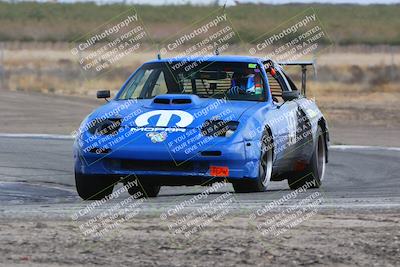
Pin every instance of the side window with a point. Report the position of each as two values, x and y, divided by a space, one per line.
291 83
276 88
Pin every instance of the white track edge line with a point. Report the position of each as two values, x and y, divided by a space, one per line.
345 147
37 136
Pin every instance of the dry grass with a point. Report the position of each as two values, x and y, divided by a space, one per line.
346 24
351 104
356 92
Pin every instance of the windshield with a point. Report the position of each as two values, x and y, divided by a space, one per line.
231 80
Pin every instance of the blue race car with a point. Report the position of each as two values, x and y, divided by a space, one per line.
195 121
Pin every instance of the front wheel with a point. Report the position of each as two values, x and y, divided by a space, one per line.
261 183
315 171
92 187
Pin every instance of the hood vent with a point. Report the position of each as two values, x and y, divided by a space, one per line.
175 101
161 101
181 101
167 101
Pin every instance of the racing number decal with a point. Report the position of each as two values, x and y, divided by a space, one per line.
292 125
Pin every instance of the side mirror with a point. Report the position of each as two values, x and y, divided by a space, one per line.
103 94
290 95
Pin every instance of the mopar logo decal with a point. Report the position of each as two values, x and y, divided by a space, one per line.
164 119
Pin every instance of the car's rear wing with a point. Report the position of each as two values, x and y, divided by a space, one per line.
303 65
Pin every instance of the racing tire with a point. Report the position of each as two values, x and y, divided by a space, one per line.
91 187
260 184
146 190
315 171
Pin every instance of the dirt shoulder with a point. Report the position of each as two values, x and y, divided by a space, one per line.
55 114
326 239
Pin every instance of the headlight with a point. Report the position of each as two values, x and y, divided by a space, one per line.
219 128
105 127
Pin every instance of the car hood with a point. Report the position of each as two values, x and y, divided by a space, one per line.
183 111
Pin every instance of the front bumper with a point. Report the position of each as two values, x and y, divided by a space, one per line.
138 155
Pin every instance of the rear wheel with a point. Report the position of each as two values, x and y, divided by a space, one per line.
91 187
261 183
315 171
144 190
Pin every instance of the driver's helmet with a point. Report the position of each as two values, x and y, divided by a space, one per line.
244 83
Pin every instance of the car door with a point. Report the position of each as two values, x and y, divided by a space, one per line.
302 148
284 122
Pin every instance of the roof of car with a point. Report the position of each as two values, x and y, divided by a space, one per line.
245 59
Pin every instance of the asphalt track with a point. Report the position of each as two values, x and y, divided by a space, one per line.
36 178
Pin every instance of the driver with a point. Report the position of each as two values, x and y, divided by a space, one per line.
242 83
